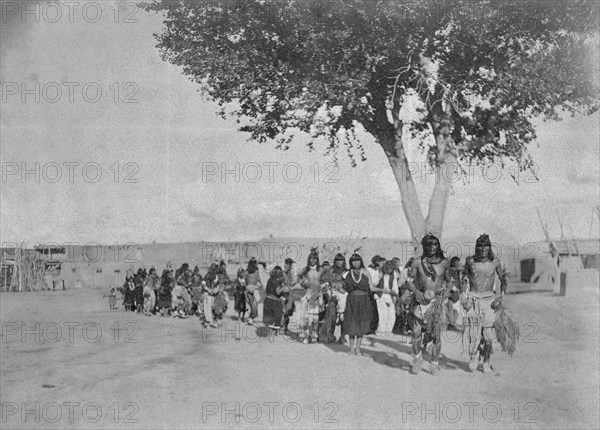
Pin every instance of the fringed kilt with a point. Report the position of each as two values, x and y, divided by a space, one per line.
479 315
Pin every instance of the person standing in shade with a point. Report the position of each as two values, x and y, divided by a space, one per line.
359 312
404 301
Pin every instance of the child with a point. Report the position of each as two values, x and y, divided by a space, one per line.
112 298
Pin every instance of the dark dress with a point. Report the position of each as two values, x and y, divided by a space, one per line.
164 292
358 315
240 297
139 293
273 308
128 293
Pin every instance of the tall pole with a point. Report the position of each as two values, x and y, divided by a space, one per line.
544 227
562 233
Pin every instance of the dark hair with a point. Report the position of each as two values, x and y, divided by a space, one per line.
307 268
277 272
482 242
453 260
430 239
339 257
252 265
409 263
357 257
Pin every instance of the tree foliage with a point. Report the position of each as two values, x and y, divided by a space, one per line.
331 68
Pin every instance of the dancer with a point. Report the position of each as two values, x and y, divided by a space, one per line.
337 290
375 272
481 303
312 302
289 282
273 308
403 304
386 299
427 279
129 292
253 284
164 292
359 312
239 295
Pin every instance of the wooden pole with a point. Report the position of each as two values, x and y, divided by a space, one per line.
544 228
562 233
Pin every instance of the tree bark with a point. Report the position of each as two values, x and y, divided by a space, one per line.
445 175
408 193
445 171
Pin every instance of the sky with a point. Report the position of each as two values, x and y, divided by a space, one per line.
129 150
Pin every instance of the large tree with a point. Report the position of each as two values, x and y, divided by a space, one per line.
477 73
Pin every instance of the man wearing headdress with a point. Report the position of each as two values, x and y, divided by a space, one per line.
481 270
427 281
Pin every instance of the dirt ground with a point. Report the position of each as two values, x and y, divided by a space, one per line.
67 361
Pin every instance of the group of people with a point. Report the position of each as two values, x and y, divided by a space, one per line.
178 293
420 298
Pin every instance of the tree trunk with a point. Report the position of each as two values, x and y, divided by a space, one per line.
445 175
445 170
408 192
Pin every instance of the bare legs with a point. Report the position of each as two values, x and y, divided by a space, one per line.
355 343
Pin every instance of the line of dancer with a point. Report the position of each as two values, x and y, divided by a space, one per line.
344 303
